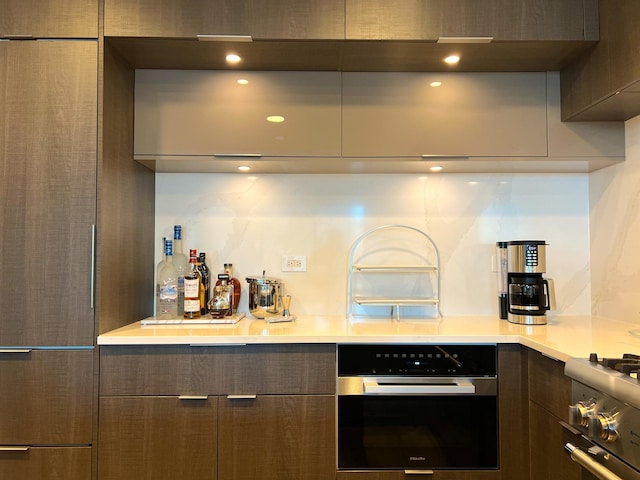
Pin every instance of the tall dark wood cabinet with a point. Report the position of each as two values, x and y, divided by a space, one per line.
48 159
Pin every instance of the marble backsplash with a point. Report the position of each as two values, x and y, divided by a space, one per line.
251 221
614 197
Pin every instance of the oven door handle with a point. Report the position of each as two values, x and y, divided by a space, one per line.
582 458
370 386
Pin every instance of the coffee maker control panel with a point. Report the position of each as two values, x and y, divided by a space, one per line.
531 255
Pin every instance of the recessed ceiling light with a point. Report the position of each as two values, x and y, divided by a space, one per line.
452 59
244 168
243 81
275 118
436 168
233 58
436 84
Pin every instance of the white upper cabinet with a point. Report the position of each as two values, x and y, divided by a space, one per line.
469 114
227 113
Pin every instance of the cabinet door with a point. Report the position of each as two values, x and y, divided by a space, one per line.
275 19
277 438
49 19
46 397
45 463
181 112
549 459
157 438
48 133
430 19
470 114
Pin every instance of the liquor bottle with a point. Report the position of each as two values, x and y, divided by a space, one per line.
192 281
167 300
181 263
228 270
161 264
205 286
221 305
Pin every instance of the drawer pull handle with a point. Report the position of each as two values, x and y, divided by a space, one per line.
242 397
15 350
13 449
192 397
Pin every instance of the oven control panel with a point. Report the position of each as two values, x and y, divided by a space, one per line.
417 360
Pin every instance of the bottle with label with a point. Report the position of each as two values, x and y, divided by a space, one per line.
192 281
228 270
181 263
167 299
205 285
222 302
161 264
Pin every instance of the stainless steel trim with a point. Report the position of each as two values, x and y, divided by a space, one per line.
584 460
217 344
93 265
192 397
15 350
224 38
13 448
237 155
454 156
242 397
434 386
372 387
464 40
418 472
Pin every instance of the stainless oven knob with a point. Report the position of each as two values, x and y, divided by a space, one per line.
581 412
603 426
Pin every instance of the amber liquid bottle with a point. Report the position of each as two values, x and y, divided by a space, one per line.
228 269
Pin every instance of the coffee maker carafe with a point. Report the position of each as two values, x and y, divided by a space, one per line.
530 296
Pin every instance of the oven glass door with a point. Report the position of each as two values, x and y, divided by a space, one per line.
417 432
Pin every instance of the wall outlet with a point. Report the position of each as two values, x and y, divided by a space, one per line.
294 263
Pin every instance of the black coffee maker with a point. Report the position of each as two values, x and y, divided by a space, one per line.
530 296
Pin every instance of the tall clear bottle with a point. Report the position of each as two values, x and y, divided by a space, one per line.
181 263
167 299
161 264
192 283
205 286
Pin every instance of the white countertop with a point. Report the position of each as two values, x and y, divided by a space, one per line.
561 338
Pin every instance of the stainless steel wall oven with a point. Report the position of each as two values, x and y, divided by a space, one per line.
417 407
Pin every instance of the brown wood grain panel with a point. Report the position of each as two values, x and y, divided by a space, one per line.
548 386
126 203
46 397
276 19
48 94
512 404
277 437
549 460
157 438
251 369
504 20
47 463
49 19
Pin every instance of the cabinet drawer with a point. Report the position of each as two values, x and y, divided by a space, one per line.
548 386
59 19
46 397
159 438
220 370
46 463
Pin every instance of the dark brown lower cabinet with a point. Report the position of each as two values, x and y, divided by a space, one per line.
549 400
277 437
45 463
157 438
